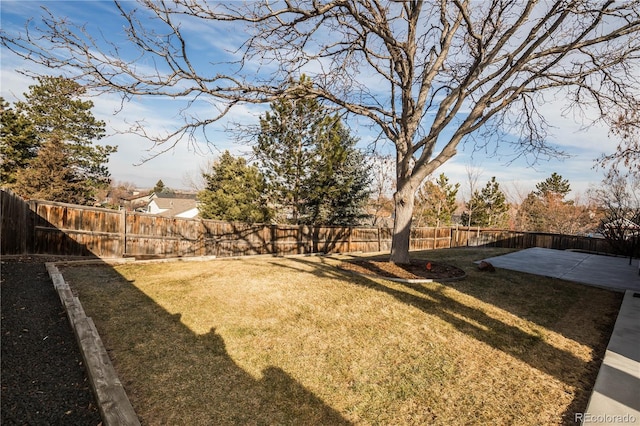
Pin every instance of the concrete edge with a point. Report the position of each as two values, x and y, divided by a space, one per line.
113 403
613 399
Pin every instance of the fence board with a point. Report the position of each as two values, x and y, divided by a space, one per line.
14 235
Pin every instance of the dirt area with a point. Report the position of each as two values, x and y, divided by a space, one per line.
418 269
43 376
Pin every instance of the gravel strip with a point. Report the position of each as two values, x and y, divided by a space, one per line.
43 378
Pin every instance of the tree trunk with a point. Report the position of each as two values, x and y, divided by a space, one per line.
404 200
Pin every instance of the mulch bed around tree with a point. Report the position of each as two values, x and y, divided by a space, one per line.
416 270
43 377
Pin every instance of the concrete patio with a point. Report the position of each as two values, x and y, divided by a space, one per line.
609 272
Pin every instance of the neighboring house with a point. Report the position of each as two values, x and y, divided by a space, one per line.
173 205
129 200
136 200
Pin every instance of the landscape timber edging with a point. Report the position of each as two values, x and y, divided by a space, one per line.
113 403
410 280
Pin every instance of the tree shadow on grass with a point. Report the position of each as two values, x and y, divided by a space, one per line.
175 376
524 345
184 372
527 296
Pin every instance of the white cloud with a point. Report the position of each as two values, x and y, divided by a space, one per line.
13 84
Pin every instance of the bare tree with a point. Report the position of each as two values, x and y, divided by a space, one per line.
619 198
194 179
473 174
627 128
425 73
382 188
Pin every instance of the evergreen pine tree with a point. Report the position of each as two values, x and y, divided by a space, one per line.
51 176
234 192
547 210
54 114
159 188
285 152
489 206
54 105
313 171
555 185
337 187
436 202
18 143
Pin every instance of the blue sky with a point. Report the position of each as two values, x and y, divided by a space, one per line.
174 167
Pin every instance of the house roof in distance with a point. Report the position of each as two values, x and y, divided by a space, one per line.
174 204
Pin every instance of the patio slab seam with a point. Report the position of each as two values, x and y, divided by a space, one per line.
576 266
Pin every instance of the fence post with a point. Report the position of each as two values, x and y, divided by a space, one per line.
379 239
450 236
24 223
123 231
31 225
457 242
274 246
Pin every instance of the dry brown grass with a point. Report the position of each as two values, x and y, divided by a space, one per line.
298 341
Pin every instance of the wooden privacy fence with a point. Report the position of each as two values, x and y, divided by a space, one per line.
481 237
44 227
